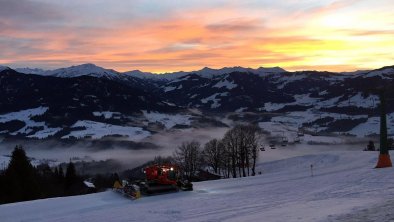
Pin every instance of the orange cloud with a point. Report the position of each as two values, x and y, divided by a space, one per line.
315 37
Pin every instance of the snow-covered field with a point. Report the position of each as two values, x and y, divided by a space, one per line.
25 116
288 122
345 187
167 120
97 130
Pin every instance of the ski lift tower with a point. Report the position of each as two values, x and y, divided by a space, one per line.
384 157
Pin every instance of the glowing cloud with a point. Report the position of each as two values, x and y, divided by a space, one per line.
163 36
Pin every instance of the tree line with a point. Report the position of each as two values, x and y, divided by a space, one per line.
235 155
21 181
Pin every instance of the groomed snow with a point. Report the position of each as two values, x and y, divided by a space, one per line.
344 184
97 130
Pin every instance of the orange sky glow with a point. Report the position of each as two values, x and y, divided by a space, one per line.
165 36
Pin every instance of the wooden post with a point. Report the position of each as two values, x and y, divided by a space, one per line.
311 170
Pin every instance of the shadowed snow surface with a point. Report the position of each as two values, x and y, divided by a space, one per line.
344 184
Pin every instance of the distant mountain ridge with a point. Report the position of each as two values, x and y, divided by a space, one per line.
93 70
88 100
206 72
87 69
90 69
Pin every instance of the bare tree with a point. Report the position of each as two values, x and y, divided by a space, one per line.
241 145
213 153
231 143
188 157
251 134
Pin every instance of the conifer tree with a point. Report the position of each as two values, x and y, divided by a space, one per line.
56 172
21 182
60 176
71 175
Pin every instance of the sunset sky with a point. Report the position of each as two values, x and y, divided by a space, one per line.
172 35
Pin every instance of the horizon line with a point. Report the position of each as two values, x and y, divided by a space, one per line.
196 70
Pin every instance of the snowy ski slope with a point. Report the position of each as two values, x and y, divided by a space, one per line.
344 187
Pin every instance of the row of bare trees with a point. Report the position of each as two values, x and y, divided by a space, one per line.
234 155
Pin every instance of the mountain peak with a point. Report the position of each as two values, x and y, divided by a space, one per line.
205 72
275 69
2 68
206 69
82 70
88 65
28 70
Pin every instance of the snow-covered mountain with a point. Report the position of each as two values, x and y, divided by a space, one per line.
54 106
87 69
384 73
100 98
35 71
93 70
239 89
205 72
3 68
143 75
82 70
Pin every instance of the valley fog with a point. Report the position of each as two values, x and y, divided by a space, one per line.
118 158
160 144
